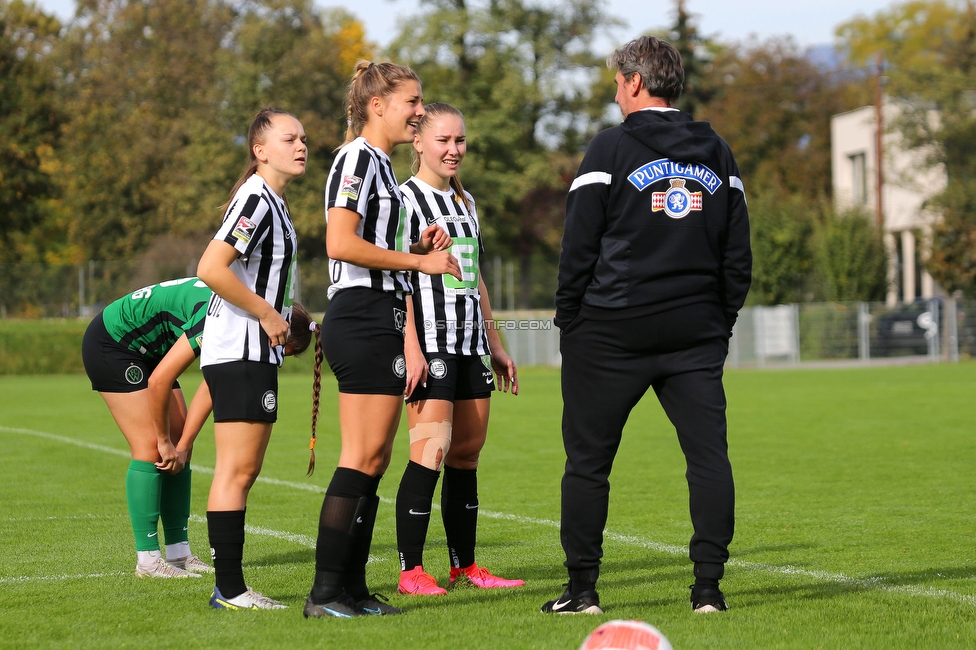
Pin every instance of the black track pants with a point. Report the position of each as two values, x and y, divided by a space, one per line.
607 366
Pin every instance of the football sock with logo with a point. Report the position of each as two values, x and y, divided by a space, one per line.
142 489
174 507
354 577
226 530
459 508
146 558
177 551
340 520
413 505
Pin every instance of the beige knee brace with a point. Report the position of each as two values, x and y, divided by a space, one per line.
438 439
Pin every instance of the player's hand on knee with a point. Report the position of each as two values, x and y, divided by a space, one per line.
168 457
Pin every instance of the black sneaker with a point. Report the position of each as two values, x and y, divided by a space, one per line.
705 600
587 602
342 606
378 605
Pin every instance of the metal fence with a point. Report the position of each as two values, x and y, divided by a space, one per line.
925 330
809 333
934 330
65 291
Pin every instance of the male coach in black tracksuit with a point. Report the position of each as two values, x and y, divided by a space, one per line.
655 266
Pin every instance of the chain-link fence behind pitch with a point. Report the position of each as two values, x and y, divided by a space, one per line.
935 329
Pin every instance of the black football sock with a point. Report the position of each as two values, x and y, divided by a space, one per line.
226 530
413 504
459 507
342 513
354 577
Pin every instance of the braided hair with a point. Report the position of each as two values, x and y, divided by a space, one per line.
301 332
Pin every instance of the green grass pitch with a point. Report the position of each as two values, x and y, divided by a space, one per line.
855 521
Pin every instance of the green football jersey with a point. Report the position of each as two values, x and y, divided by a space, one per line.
152 319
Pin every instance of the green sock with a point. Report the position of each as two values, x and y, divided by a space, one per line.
174 506
142 488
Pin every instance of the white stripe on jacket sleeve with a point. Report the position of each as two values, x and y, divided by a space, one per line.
590 178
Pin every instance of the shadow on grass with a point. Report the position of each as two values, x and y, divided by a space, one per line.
925 576
828 589
777 548
302 556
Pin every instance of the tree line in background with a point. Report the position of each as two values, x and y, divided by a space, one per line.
122 131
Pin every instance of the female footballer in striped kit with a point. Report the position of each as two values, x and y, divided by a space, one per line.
362 333
250 264
448 414
134 351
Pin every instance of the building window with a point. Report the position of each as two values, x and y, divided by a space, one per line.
859 178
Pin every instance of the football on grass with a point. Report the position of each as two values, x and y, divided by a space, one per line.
626 635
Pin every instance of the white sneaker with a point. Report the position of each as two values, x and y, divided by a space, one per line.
159 568
250 599
191 563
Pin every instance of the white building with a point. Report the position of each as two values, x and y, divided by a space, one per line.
907 182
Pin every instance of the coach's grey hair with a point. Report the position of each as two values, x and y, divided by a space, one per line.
657 62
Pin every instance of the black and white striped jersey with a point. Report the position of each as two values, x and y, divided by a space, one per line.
447 312
258 225
362 180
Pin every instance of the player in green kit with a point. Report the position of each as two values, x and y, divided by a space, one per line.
134 351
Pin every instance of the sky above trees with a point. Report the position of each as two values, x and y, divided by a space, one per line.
810 23
123 129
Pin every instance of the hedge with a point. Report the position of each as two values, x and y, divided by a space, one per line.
53 346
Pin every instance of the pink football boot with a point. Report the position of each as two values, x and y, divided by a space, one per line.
417 583
482 578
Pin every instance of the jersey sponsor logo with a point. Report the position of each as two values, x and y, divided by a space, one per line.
437 368
399 319
269 402
661 169
400 366
350 186
677 202
134 375
466 251
244 229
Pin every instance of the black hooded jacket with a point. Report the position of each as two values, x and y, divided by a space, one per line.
656 220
